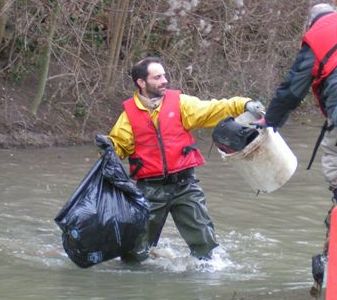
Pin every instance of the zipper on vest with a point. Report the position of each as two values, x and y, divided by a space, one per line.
161 147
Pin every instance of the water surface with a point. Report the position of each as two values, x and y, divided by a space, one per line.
266 241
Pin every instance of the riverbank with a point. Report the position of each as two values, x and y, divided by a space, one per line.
37 132
63 123
57 123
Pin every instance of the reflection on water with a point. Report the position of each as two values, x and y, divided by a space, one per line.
266 241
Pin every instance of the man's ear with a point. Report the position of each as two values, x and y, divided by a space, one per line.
141 83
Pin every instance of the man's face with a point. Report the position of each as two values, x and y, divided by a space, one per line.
155 84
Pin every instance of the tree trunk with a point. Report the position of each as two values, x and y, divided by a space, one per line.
117 25
4 6
45 60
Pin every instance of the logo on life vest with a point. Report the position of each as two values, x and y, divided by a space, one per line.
171 114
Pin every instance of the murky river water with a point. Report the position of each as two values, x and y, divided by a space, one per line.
266 241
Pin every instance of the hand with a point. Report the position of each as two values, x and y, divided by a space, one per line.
103 141
262 123
255 107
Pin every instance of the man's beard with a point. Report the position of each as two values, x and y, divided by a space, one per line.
154 92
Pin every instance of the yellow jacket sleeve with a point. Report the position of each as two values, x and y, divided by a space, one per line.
198 113
122 136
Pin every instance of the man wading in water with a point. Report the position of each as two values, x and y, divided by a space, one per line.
153 131
315 66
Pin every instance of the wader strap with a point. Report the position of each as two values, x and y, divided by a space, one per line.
325 60
188 149
135 161
325 128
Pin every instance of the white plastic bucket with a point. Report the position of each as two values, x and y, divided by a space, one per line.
267 163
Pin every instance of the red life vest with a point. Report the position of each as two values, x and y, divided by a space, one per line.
164 150
322 39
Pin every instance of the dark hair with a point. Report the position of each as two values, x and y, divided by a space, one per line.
139 70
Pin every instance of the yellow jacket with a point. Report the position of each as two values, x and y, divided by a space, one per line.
195 113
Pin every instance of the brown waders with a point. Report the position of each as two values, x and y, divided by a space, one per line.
183 198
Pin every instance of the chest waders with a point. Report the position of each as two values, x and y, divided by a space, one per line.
319 261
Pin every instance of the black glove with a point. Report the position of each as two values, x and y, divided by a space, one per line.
103 142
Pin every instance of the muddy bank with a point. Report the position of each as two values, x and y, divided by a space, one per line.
26 139
60 122
57 123
48 134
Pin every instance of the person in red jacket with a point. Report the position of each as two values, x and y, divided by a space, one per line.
316 66
154 132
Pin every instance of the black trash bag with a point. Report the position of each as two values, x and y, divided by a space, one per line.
105 215
230 136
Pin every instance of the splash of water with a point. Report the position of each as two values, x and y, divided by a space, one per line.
176 258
